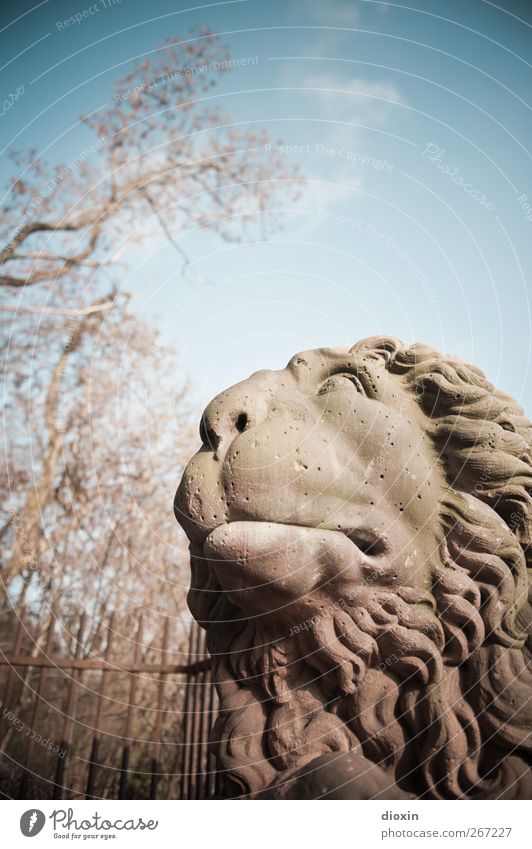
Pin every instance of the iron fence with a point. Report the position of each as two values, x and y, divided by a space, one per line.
115 725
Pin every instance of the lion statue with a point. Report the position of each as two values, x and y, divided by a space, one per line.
360 531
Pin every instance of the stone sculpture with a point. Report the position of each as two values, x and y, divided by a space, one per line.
359 528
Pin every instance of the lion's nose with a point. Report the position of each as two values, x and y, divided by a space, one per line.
229 415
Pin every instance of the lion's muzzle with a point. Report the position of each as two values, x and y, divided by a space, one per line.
267 566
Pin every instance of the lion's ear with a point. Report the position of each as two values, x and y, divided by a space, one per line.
383 347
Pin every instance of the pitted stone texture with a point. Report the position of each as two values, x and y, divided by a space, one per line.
360 527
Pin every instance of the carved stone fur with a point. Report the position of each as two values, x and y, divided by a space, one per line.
360 532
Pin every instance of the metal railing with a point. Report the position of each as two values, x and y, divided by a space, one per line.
45 686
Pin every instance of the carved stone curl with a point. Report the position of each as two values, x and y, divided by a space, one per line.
360 531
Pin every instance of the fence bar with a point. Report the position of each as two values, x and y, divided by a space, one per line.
124 768
66 735
187 723
211 702
156 752
204 728
195 721
108 666
94 763
212 784
16 649
35 709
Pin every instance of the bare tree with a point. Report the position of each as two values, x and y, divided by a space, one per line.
96 435
163 156
96 432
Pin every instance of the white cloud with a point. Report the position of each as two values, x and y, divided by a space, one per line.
352 98
340 13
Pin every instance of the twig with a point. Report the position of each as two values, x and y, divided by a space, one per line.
162 222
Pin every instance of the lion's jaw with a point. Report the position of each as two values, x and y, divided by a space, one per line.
311 481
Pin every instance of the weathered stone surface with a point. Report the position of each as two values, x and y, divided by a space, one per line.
359 528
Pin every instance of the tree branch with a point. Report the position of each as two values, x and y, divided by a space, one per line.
164 227
53 311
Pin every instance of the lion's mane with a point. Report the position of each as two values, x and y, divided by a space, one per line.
448 711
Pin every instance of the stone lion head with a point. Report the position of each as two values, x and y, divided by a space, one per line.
359 528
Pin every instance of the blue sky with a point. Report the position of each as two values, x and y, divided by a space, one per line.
412 125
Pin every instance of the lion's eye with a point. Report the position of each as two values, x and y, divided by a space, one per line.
507 426
345 380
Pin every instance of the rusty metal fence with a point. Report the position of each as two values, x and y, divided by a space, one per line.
126 723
